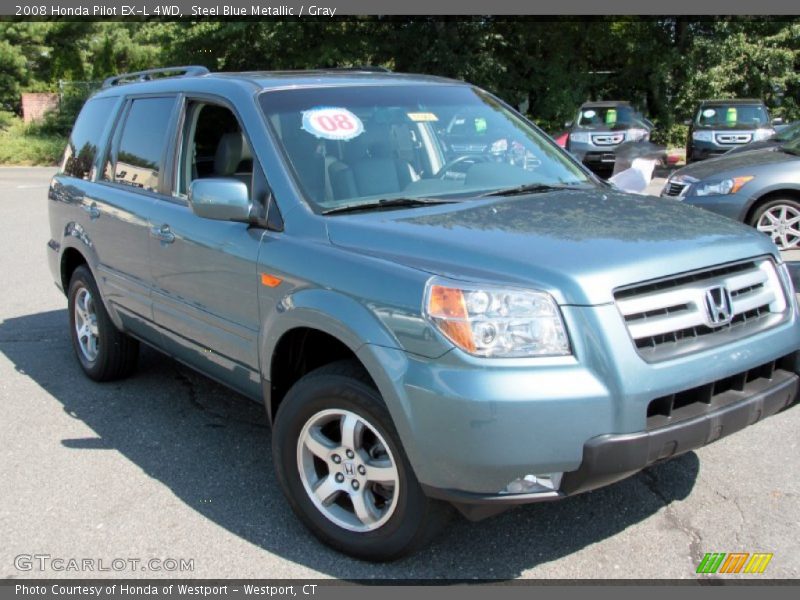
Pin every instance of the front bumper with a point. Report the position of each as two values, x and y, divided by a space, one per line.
703 150
471 427
596 157
612 457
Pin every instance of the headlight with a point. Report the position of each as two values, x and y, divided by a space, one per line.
762 134
496 322
635 134
721 187
701 136
580 137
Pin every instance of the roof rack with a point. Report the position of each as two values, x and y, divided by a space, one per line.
187 71
364 68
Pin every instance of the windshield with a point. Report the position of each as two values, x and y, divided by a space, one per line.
607 116
732 115
349 145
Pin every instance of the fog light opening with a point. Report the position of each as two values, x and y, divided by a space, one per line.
534 484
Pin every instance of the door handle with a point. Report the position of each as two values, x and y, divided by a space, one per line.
92 209
163 233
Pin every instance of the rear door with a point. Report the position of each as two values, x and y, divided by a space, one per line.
205 294
131 179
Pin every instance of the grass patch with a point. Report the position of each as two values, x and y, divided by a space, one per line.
26 145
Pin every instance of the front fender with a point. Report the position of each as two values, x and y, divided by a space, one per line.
327 311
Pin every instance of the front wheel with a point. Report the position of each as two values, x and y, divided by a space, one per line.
779 219
343 471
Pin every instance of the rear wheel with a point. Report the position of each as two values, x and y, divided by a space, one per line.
343 470
103 351
779 219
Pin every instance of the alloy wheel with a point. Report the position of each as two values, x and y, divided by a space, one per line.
782 223
348 470
86 324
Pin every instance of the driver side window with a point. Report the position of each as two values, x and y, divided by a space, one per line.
214 145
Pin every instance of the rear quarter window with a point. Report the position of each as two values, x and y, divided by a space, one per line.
139 157
86 138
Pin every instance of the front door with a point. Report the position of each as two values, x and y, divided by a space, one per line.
205 280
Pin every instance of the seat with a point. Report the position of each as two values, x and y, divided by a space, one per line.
234 158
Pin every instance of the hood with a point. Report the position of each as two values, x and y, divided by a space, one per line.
772 144
731 163
577 245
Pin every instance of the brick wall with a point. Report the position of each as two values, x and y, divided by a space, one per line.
36 105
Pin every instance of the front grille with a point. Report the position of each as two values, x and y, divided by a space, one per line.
675 188
675 316
712 396
734 138
607 139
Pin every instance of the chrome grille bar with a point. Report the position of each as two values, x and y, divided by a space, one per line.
665 317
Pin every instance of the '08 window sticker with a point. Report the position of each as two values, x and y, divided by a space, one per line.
332 123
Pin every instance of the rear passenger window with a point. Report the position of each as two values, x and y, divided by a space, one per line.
85 138
139 156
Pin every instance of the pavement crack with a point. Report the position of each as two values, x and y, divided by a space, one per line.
671 515
218 419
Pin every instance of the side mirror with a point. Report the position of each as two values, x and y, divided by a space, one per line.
777 121
223 199
568 124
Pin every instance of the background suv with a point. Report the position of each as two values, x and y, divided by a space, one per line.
720 125
426 324
599 128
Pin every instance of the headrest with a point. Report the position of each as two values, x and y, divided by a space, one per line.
232 149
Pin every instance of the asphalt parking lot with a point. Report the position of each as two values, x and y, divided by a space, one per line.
169 464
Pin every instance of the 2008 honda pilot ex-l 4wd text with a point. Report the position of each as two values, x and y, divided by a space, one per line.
426 328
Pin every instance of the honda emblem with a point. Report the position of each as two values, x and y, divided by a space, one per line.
718 306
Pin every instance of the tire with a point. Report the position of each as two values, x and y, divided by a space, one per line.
103 351
401 517
780 219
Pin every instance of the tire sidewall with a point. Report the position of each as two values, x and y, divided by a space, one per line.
82 279
303 401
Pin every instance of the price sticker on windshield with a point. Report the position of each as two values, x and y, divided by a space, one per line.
331 123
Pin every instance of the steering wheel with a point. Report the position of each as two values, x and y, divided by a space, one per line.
474 158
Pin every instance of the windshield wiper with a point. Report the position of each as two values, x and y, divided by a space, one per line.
530 188
385 203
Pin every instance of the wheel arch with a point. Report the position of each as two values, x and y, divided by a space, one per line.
310 329
768 195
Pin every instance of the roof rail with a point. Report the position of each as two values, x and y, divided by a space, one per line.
365 68
187 71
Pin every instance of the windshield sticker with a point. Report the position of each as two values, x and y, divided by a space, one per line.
731 115
709 112
611 116
332 123
480 125
589 114
422 117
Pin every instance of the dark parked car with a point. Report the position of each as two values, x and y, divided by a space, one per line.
781 136
761 188
600 127
721 125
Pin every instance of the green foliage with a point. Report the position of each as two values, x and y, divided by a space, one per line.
672 136
12 74
545 67
20 145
